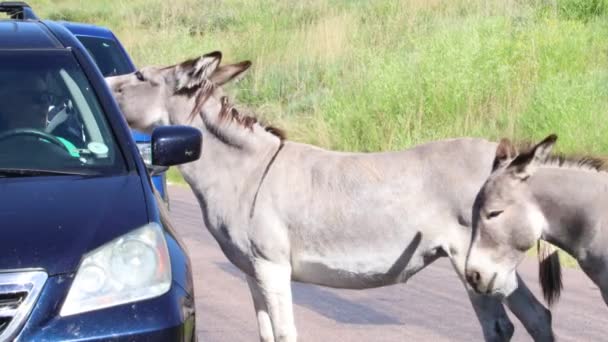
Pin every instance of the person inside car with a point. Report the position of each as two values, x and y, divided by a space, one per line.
27 103
23 103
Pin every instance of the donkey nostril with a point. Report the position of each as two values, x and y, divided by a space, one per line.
473 277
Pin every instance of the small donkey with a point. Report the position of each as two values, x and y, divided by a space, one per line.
535 195
283 211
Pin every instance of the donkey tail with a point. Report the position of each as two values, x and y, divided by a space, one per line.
549 272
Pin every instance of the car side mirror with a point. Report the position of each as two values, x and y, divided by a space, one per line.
174 145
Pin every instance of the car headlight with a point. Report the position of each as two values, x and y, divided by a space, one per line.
145 150
130 268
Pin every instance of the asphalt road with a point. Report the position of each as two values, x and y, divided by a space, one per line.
432 306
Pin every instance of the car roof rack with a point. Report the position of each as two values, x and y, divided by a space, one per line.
18 10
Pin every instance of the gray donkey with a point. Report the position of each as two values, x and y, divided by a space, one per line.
534 195
283 211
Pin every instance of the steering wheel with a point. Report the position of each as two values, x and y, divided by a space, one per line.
35 133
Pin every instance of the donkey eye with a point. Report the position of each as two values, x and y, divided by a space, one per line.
494 213
139 76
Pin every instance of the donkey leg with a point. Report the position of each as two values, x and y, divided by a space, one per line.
530 312
261 311
495 323
602 282
597 271
490 312
274 283
604 290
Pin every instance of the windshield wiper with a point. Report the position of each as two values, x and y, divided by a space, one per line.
22 172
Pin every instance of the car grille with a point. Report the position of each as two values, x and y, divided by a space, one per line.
18 294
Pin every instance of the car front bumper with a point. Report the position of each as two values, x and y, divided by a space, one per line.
170 317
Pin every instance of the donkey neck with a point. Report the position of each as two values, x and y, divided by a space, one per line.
574 202
235 147
229 173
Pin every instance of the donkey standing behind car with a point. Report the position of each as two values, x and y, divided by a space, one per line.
283 211
535 195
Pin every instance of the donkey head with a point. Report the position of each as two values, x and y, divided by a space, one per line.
166 95
507 220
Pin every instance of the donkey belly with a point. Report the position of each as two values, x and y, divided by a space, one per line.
358 270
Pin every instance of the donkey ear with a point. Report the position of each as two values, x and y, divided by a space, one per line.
505 152
226 73
524 165
192 72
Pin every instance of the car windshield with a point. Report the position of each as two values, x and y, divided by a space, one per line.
107 55
50 119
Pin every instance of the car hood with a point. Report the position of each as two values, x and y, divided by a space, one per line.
51 222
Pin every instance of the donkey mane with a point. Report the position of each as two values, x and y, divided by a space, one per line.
227 112
567 160
592 163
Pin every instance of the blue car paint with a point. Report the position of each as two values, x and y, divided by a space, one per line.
76 221
49 222
88 30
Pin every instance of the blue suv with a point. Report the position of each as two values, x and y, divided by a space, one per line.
87 252
112 59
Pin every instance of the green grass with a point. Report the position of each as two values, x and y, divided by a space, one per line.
565 259
380 75
174 177
384 75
